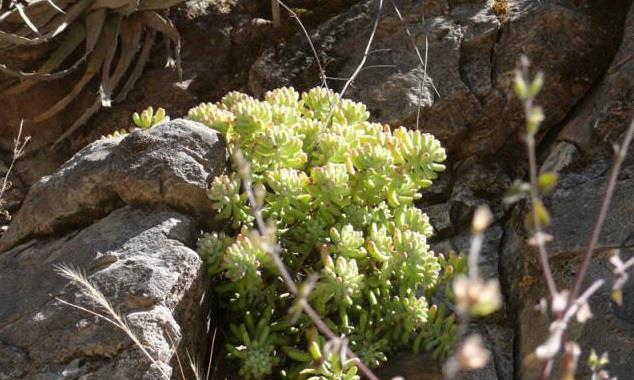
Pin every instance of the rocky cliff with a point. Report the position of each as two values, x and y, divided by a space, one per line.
128 210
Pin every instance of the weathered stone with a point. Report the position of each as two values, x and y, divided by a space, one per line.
560 157
464 97
477 184
601 119
496 339
411 366
489 254
439 218
140 259
439 191
168 165
573 206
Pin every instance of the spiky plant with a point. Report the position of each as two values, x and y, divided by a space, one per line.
102 29
340 191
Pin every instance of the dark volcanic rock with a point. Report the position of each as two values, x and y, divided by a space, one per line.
464 97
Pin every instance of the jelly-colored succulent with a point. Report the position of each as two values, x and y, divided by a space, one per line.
340 192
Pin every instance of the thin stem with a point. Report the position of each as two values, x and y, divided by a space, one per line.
541 244
322 72
603 211
359 68
286 276
366 53
18 149
275 14
413 42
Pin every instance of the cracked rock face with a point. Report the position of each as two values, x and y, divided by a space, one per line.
464 97
144 194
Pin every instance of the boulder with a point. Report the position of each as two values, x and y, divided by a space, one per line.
581 153
127 212
140 258
464 95
168 165
573 207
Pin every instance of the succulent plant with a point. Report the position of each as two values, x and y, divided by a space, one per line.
107 29
340 191
147 119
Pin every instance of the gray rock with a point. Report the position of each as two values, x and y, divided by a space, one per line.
560 157
489 254
464 97
140 259
496 339
167 165
601 119
411 366
573 207
439 218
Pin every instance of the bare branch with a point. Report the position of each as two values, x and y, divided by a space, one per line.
619 157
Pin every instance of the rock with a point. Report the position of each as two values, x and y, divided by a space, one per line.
168 165
140 259
601 119
439 218
573 206
411 366
560 157
497 339
489 254
477 183
127 211
464 97
439 191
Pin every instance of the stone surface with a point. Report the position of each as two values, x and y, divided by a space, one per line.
168 165
600 120
464 97
497 339
573 207
140 259
439 219
489 254
127 211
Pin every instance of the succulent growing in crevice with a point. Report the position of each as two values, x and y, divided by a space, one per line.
339 191
103 30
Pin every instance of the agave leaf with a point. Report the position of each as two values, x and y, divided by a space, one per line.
94 24
38 11
140 65
55 6
131 31
59 25
26 18
107 63
75 36
164 26
104 45
157 4
111 4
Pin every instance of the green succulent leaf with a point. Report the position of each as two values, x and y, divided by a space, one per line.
339 191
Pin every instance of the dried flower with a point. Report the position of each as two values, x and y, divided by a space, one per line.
475 296
472 354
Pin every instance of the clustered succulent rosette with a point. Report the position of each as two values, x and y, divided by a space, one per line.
340 191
